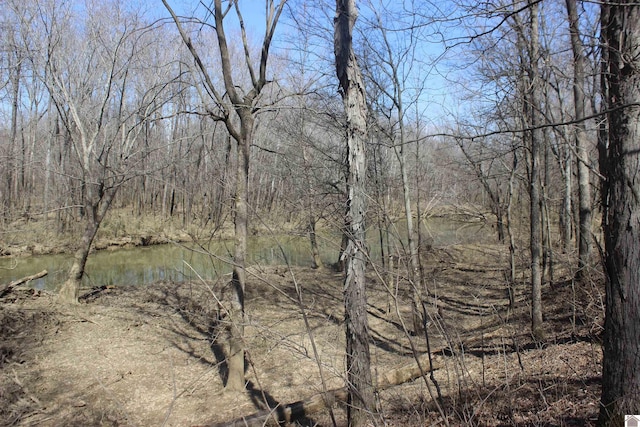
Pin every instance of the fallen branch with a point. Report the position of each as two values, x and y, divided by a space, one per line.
288 413
9 287
95 291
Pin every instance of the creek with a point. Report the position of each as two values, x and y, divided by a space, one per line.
179 263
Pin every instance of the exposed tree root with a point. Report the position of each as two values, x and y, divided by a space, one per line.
288 413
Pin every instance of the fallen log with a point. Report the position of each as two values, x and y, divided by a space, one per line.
288 413
9 287
406 373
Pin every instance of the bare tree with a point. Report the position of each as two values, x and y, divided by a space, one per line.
584 185
485 162
361 398
15 64
530 84
393 69
22 92
90 82
621 364
522 68
236 107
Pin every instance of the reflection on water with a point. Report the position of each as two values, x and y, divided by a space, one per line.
172 262
144 265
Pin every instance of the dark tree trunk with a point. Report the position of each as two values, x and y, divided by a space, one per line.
237 110
313 239
236 365
621 363
499 222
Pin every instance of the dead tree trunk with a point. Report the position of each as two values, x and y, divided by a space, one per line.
360 387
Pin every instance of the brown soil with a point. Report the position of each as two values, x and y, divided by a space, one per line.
151 356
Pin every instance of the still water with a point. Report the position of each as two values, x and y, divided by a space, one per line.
173 262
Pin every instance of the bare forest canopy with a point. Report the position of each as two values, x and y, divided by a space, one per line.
108 90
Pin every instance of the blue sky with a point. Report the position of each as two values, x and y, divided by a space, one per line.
437 102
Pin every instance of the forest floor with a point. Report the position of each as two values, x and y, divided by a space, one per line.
153 355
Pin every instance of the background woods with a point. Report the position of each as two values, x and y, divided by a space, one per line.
122 122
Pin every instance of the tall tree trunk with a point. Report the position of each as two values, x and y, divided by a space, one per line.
535 205
15 105
361 392
221 188
510 232
316 261
236 365
313 239
621 345
416 278
382 215
584 186
565 218
48 162
547 243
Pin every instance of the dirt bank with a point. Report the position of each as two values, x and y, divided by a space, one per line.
153 355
